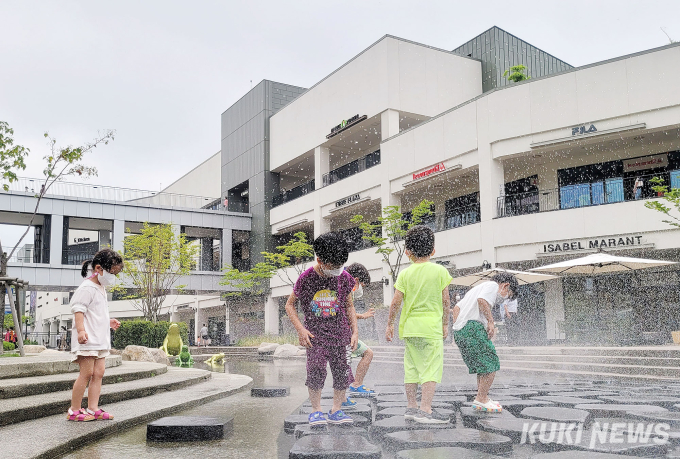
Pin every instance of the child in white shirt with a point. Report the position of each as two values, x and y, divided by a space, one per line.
90 337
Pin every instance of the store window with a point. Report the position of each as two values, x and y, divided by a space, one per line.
461 211
521 196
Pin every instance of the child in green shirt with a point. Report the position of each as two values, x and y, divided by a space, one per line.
424 289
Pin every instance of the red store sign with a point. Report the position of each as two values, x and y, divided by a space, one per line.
433 170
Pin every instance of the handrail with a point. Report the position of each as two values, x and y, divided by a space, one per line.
118 194
293 193
587 194
352 168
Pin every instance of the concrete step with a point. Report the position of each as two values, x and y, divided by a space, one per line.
626 370
20 409
33 385
669 351
586 359
58 436
45 364
226 350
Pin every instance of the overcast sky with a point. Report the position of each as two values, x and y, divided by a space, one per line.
161 72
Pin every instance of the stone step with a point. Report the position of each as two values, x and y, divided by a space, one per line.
617 359
14 410
47 364
567 373
666 351
33 385
615 368
58 436
226 350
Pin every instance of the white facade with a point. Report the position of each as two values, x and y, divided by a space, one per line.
440 139
203 180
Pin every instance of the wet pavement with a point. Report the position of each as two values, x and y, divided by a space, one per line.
258 422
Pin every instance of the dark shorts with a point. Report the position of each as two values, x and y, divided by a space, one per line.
338 357
477 350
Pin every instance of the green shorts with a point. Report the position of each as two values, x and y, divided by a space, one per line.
423 360
479 353
361 348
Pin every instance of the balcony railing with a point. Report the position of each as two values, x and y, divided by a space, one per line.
353 168
86 191
608 191
293 193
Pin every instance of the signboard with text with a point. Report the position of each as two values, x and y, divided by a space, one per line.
592 244
348 200
648 162
427 172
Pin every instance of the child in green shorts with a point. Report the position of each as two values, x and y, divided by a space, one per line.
361 279
424 289
473 329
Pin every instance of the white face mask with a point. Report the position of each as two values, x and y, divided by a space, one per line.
333 272
107 279
359 292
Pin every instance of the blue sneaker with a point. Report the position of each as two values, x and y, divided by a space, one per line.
349 403
317 419
361 391
339 417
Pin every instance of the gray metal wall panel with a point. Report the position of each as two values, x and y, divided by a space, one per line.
499 50
245 153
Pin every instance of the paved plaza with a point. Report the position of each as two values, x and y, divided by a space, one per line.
258 429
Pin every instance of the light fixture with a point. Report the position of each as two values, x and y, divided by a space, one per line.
486 265
385 281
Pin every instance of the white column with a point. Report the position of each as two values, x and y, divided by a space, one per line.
491 183
56 240
321 165
118 235
389 124
548 197
227 244
554 308
271 315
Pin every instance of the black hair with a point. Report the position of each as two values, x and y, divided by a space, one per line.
106 258
420 241
331 249
359 271
507 278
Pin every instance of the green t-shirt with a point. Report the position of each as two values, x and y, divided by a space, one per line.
422 285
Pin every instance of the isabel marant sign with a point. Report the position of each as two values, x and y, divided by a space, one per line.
592 244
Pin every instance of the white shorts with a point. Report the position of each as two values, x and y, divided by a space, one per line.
97 354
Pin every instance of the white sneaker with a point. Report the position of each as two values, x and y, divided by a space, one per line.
488 407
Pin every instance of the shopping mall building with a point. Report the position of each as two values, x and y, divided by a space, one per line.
521 174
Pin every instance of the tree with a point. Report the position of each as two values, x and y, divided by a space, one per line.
59 163
154 262
516 73
292 255
389 231
670 196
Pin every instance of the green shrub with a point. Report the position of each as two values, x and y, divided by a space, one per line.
145 333
7 346
28 342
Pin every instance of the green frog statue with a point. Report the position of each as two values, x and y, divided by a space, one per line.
184 359
216 358
172 344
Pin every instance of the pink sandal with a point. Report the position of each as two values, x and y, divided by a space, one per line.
79 416
101 415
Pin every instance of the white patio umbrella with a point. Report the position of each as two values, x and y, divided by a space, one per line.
600 263
522 277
